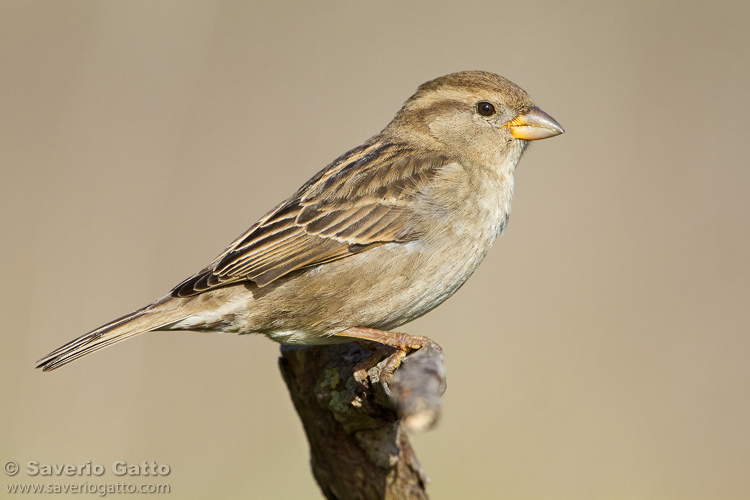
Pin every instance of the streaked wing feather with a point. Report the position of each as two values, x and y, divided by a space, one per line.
359 201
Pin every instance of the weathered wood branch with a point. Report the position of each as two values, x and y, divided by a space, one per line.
355 419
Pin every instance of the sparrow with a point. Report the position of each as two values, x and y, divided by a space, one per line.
381 236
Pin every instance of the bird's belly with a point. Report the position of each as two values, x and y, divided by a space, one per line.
381 288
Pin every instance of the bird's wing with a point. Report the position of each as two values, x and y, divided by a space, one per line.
359 201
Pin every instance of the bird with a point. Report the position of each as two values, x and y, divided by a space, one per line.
381 236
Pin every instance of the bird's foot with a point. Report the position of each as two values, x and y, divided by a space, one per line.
402 342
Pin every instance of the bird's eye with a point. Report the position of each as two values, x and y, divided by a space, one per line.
485 108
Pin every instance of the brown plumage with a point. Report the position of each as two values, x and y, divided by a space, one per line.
381 236
359 201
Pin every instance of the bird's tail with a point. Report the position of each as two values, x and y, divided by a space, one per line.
152 317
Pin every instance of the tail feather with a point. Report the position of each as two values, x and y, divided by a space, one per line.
151 317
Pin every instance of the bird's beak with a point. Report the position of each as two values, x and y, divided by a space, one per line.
533 125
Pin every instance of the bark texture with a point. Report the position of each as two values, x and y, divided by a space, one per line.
355 414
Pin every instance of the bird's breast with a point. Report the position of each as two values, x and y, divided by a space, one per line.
455 221
459 217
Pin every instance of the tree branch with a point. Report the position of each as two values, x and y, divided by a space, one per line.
354 418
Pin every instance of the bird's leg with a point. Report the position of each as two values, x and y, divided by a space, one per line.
403 342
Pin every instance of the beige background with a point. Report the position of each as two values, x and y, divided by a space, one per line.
602 349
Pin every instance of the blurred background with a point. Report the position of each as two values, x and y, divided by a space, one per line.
601 351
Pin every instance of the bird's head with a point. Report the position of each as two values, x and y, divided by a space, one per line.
474 113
